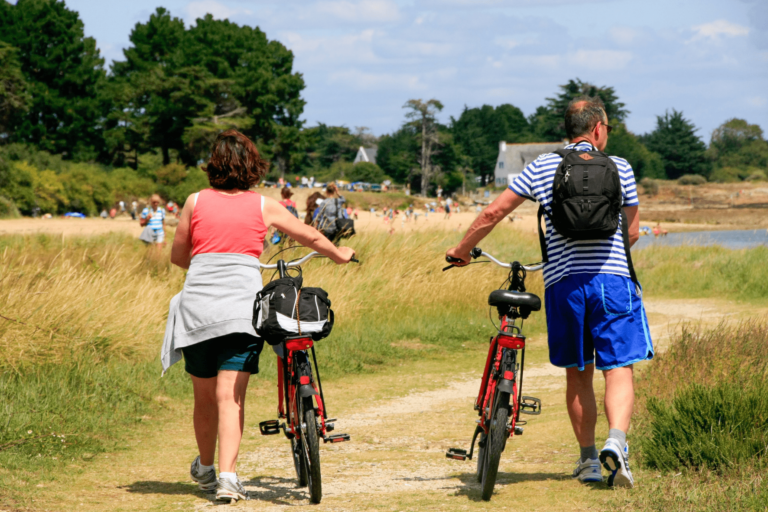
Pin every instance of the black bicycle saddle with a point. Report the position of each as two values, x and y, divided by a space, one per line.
514 299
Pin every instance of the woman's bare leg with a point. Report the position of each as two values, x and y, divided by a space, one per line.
230 396
205 418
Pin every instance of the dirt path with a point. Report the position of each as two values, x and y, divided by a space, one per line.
402 420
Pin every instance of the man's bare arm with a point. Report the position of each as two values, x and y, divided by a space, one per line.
485 222
633 221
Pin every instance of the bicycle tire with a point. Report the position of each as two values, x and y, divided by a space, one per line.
312 451
497 438
480 459
297 452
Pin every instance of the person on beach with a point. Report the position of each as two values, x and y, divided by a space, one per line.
595 314
219 239
154 217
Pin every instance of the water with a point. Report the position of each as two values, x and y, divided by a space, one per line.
741 239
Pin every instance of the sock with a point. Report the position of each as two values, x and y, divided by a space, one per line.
201 470
588 452
232 477
618 435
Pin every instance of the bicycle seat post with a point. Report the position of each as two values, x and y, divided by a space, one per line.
282 268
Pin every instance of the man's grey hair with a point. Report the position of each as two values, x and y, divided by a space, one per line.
582 116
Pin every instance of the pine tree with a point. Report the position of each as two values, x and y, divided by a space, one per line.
64 72
681 150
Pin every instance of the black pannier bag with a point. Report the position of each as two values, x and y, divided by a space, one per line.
586 200
345 228
284 309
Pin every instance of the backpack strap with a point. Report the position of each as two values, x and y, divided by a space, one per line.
542 238
625 236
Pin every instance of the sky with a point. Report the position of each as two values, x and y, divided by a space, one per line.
363 59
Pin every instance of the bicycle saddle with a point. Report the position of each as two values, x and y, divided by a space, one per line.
514 299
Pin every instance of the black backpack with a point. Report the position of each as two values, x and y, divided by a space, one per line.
586 200
284 309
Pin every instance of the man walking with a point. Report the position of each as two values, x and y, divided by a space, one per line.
595 315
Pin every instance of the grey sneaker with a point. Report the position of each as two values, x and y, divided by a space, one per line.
207 481
588 471
616 460
231 491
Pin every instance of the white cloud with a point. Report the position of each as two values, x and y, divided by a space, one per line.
600 59
716 29
757 101
365 11
377 81
200 8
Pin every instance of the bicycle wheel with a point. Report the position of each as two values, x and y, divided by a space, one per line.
494 445
297 452
480 458
312 450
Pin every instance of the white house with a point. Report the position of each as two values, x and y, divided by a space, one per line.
366 155
514 157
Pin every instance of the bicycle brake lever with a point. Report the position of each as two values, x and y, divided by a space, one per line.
449 267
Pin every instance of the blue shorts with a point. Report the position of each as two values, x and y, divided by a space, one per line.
596 318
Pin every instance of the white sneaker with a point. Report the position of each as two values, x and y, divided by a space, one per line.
207 481
616 460
588 471
228 490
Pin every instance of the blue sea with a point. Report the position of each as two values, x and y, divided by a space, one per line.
741 239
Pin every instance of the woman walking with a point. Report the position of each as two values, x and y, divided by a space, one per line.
219 239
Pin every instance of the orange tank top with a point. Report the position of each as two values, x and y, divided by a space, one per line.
228 224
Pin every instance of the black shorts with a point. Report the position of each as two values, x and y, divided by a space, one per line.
238 352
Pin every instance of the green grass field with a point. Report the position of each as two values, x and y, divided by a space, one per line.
83 318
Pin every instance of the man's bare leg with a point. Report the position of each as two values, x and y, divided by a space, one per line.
582 409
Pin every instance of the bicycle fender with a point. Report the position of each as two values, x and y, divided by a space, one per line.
507 386
306 390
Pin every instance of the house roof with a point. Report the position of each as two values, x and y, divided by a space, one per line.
366 154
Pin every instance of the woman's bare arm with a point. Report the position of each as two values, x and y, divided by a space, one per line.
181 252
278 216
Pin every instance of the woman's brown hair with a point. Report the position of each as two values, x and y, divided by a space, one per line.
235 162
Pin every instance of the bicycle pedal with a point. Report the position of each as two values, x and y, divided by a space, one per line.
518 431
456 454
270 427
336 438
530 405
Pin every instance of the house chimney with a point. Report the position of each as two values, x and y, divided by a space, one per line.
503 147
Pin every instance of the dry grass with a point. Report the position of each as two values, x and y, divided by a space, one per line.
61 297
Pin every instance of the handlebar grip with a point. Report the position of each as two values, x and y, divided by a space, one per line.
451 259
354 260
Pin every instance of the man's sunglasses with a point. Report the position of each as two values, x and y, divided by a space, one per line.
608 127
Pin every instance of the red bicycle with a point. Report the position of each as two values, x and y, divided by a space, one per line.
500 400
301 403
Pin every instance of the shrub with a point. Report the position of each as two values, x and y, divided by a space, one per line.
8 210
722 418
756 176
708 427
692 179
650 186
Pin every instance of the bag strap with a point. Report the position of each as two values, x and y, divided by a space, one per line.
542 238
298 320
625 236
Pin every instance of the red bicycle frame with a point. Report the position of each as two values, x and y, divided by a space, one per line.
484 402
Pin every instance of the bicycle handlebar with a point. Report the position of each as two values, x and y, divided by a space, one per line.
313 254
477 252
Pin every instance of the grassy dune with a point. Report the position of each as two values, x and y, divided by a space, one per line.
83 318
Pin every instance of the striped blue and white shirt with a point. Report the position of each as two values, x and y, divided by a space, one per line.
568 256
156 222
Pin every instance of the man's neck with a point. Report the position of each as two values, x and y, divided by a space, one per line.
579 140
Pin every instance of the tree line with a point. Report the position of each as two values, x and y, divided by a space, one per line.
75 135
